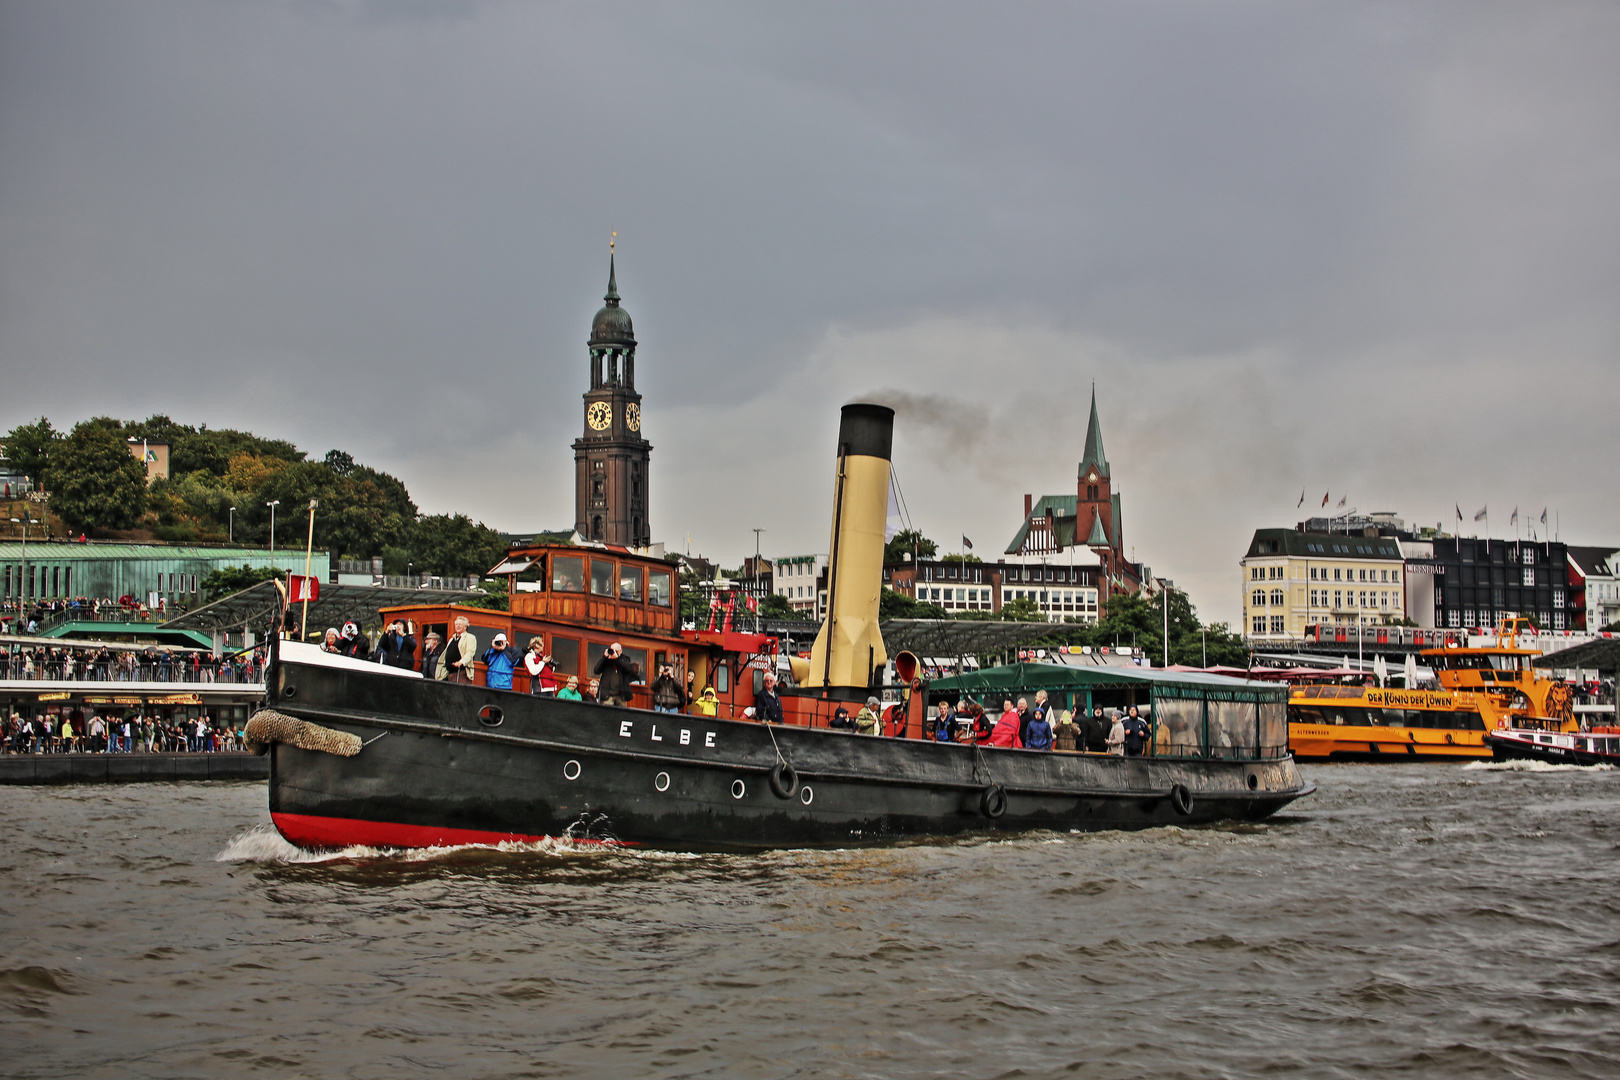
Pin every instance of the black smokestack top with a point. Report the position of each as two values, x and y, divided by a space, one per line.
866 430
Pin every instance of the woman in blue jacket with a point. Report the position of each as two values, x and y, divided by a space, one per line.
500 659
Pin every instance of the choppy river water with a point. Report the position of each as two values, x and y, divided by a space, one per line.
1434 920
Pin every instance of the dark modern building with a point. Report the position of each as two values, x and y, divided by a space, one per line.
1476 582
611 457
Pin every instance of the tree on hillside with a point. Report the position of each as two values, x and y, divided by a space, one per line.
28 448
95 482
454 545
357 519
233 579
909 542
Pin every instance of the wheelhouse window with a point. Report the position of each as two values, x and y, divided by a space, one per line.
567 574
658 587
601 577
565 655
630 583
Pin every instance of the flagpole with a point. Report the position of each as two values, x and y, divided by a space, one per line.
309 555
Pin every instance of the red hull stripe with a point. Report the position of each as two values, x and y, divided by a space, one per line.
309 831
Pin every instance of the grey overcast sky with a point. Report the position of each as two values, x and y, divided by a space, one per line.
1360 248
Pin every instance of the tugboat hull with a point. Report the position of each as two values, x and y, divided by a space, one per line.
443 764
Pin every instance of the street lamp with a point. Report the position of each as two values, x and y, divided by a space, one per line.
230 536
24 521
272 505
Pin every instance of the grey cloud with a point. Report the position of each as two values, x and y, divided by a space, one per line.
1348 244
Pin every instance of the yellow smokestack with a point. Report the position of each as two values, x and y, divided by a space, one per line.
849 647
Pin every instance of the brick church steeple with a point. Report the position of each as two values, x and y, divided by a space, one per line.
611 457
1096 506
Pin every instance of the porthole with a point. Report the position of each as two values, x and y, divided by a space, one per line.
806 796
490 716
661 781
289 691
571 771
1254 781
738 789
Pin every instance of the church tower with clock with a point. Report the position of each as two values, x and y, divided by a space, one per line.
610 458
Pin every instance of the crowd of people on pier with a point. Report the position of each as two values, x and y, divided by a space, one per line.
80 732
152 663
79 608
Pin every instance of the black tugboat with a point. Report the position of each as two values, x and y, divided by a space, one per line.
365 755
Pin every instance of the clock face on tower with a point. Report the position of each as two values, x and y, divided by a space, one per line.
599 415
632 416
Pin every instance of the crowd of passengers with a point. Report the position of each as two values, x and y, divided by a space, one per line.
75 732
456 658
155 663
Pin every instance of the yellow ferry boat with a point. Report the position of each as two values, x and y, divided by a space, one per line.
1483 688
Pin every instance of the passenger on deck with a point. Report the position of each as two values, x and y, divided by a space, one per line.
1005 732
1116 735
667 695
592 692
396 648
767 703
432 649
944 723
331 643
614 673
1136 734
982 724
1094 732
1024 718
500 660
456 662
352 643
1067 735
866 721
1039 735
571 691
840 719
706 704
542 673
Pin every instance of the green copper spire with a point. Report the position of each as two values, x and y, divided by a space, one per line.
1093 453
612 298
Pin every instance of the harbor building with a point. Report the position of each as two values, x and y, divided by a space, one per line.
800 580
1477 582
1293 579
1060 592
1594 587
159 576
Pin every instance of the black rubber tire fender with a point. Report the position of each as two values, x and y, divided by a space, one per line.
993 801
784 780
1181 799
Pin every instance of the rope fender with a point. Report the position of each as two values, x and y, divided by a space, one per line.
268 727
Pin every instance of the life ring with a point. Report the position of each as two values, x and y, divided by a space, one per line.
784 781
1181 799
993 801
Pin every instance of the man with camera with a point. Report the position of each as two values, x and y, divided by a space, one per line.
614 673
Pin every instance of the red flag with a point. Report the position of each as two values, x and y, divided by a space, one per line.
296 586
753 604
1325 496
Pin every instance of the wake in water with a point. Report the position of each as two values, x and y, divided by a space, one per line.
1532 766
263 844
